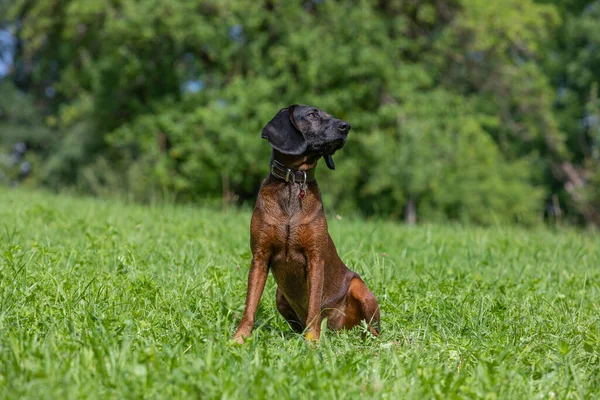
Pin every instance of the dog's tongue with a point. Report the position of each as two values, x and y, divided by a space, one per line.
329 161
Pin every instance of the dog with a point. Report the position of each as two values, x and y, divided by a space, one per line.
289 236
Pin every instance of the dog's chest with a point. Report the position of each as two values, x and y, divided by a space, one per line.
289 262
290 223
290 241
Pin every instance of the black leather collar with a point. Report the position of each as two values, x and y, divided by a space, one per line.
278 170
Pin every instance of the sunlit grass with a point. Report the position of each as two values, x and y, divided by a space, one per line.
104 299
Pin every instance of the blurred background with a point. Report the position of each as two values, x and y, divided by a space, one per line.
462 110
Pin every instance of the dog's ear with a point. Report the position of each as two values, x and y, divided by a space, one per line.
329 161
283 135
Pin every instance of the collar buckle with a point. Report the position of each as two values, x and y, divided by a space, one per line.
289 172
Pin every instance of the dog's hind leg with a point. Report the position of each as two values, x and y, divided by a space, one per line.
365 307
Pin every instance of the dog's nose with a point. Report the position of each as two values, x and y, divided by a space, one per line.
344 127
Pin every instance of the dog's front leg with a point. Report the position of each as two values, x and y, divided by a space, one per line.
316 271
257 277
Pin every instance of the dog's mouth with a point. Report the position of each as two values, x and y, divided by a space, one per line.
333 146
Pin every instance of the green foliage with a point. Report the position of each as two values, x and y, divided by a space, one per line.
429 158
19 119
20 123
573 66
452 103
100 299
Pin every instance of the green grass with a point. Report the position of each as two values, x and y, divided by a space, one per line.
101 299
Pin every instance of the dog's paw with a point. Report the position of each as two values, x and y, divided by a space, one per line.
241 337
238 340
311 336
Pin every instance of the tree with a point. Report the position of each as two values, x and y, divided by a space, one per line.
452 102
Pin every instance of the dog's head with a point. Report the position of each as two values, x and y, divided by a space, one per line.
306 130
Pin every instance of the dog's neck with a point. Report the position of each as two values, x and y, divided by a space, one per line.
298 163
293 169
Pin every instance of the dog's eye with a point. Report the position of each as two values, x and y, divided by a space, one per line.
313 115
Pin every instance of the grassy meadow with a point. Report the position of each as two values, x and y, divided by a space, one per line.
104 299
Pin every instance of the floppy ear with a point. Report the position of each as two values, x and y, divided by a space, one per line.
283 135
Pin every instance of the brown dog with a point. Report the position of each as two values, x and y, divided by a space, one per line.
288 232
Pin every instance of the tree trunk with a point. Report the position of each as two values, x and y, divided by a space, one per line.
574 182
411 212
